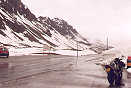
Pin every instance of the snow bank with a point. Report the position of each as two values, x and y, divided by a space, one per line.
27 51
129 70
23 51
111 54
114 51
74 53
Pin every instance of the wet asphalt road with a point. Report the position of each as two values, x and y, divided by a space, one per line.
53 71
128 81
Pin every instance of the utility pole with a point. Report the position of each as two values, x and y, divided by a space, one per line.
107 44
77 53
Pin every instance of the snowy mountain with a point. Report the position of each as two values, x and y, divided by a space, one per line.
19 27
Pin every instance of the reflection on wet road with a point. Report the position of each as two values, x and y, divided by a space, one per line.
53 72
3 68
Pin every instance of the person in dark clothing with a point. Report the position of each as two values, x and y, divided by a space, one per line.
110 75
118 68
117 71
121 66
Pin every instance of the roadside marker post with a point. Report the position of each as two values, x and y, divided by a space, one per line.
77 54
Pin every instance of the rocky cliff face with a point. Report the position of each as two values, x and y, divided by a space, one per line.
20 28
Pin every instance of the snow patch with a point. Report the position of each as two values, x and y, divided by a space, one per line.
28 51
23 51
129 70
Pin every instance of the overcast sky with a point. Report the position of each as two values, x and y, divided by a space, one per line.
92 18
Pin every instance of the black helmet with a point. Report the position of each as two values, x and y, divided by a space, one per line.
117 59
107 66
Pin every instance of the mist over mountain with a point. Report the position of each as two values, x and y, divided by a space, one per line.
19 27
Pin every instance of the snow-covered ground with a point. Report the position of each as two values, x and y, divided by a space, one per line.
27 51
23 51
129 70
74 53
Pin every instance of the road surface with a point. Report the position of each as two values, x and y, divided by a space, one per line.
54 71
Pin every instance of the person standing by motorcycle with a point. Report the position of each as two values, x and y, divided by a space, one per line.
110 75
118 66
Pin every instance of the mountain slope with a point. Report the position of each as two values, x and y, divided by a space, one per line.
20 28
